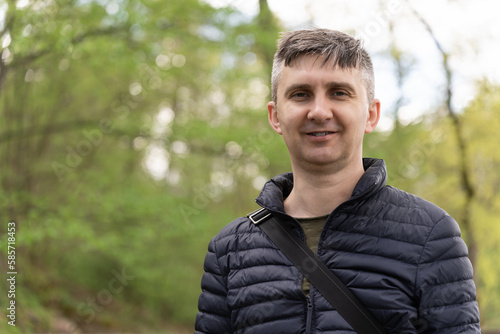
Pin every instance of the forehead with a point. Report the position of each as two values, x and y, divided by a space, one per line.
313 69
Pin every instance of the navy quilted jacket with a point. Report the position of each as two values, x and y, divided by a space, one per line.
400 255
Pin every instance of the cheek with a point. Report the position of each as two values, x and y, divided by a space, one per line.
290 128
285 122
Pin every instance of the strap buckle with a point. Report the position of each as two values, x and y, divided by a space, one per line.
258 216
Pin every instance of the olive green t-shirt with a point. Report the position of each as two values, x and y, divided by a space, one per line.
312 229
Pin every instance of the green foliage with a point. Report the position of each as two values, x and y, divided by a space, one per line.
89 90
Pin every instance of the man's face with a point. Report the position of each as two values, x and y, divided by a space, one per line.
322 113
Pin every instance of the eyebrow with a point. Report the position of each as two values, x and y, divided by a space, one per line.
341 84
330 85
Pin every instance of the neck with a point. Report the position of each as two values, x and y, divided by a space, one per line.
318 193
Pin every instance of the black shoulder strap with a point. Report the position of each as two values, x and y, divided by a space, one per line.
330 286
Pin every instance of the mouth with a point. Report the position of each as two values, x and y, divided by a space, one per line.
320 134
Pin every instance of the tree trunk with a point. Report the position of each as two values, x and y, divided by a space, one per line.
465 171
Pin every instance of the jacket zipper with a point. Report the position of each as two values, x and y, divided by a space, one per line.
309 315
309 329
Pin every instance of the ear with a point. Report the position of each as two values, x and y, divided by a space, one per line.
273 117
373 116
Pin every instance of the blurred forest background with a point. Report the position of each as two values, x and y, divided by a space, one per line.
132 131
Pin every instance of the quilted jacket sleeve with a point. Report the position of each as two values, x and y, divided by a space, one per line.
214 315
444 284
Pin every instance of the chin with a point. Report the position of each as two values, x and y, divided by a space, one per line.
337 161
323 162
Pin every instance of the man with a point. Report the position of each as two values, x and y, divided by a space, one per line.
400 255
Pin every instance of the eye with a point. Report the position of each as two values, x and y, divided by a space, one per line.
340 93
299 95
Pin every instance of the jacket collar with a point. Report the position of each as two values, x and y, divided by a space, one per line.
278 188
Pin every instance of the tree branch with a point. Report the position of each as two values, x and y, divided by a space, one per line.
28 58
75 40
49 128
465 177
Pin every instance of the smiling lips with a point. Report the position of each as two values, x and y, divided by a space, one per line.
320 134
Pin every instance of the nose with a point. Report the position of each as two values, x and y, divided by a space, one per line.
320 110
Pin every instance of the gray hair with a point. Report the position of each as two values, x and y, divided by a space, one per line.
337 48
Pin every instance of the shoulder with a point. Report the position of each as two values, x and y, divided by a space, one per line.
239 234
413 207
407 217
241 225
